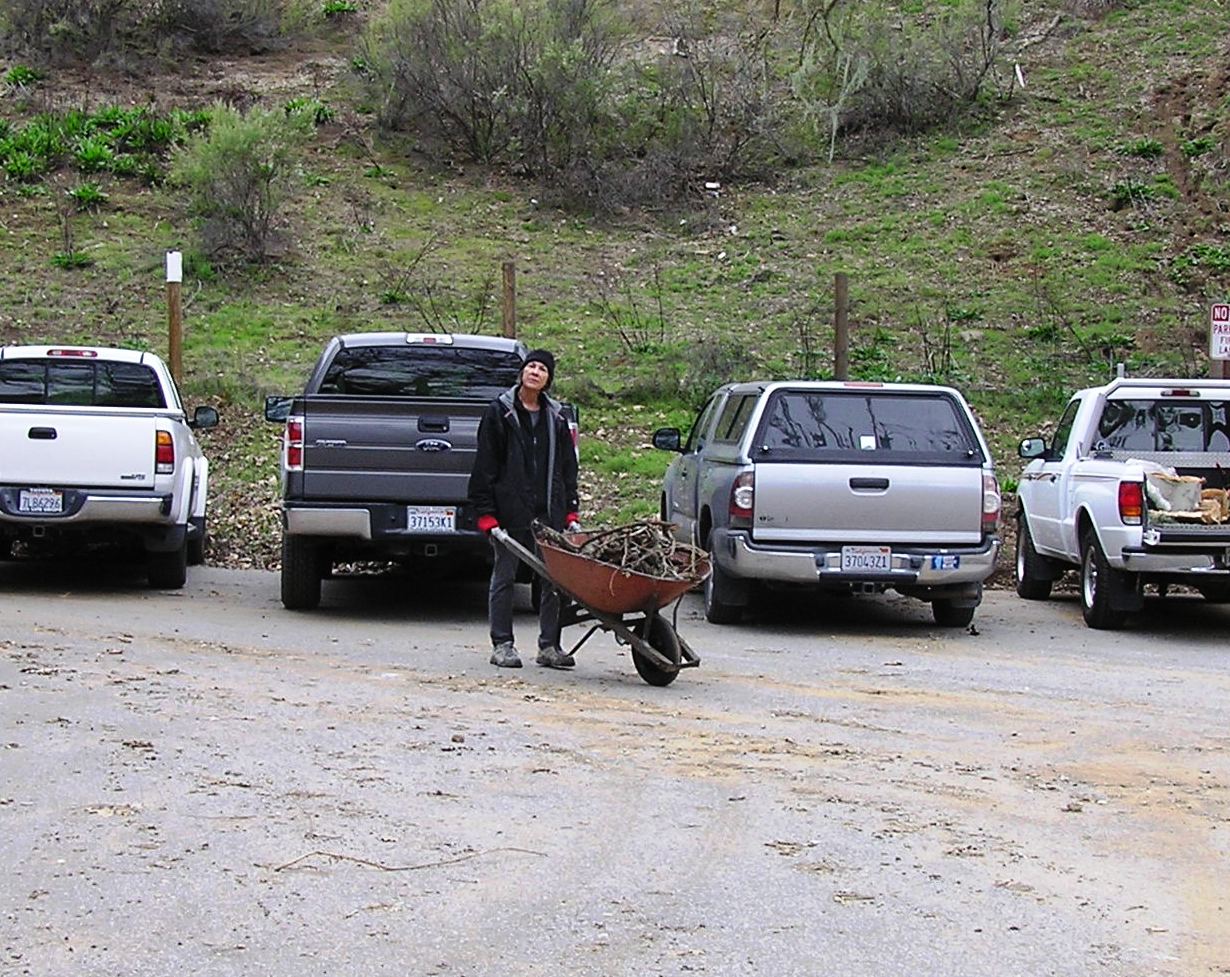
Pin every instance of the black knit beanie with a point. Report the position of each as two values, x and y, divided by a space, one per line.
543 357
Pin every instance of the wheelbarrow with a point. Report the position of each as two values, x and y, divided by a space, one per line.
611 598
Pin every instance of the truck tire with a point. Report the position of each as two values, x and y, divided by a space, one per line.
168 571
1101 586
1033 576
1216 593
948 615
300 574
196 545
724 596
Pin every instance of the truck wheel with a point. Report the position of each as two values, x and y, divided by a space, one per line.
1100 584
1033 576
196 545
948 615
300 574
1216 593
658 633
721 592
168 571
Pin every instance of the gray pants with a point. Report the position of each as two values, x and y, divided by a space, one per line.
500 601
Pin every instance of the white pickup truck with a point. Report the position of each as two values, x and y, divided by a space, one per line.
95 449
1130 490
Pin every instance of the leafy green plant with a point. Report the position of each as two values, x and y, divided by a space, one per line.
87 196
312 108
23 166
1146 148
22 76
69 260
335 8
92 154
1199 146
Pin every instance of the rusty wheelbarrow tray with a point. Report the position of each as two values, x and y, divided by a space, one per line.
618 600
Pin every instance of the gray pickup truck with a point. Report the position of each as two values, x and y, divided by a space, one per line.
377 452
854 487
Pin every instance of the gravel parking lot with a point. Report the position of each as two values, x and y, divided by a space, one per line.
200 782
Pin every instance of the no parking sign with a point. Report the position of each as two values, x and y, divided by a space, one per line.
1219 331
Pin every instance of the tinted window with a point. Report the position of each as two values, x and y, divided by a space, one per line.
1171 425
1063 432
839 426
696 439
733 422
22 382
79 384
421 371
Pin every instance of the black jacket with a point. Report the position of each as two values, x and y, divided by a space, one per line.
501 483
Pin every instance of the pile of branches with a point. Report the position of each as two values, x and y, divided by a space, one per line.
647 547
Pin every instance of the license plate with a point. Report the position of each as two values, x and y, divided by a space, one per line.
866 559
431 518
41 501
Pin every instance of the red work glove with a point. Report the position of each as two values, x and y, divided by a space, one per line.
572 522
487 523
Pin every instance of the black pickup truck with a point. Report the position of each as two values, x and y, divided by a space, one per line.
378 449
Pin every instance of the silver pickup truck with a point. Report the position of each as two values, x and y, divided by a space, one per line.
856 487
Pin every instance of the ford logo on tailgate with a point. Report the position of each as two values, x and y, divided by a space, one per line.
433 444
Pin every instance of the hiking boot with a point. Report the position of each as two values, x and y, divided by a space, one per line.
505 655
553 657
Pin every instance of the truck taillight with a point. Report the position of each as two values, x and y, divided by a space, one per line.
1131 502
164 453
742 501
991 503
293 445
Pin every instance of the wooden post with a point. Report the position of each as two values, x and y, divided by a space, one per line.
841 327
175 318
509 303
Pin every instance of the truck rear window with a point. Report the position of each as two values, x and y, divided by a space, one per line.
421 371
78 384
1170 425
853 427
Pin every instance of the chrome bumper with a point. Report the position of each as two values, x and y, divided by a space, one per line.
735 553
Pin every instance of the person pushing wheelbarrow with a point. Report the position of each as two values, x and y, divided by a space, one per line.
525 470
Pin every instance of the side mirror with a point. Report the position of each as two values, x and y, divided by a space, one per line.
277 408
203 417
668 439
1032 448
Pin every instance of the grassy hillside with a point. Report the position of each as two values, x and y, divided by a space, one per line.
1080 222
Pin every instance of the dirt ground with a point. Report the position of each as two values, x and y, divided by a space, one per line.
201 782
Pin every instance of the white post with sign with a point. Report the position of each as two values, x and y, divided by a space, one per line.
1219 339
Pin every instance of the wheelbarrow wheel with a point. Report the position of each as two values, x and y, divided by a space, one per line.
657 632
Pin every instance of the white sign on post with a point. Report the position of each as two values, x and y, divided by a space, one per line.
1219 332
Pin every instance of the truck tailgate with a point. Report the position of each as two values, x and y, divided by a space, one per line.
848 503
99 449
389 449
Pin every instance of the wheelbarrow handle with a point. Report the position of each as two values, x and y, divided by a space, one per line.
502 537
